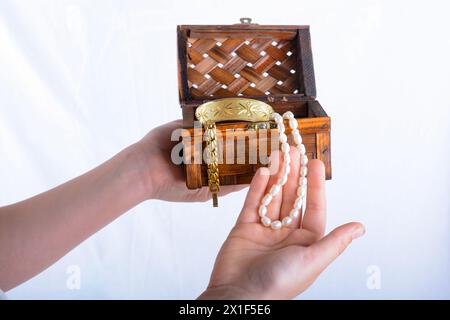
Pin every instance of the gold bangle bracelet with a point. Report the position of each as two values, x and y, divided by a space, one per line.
228 109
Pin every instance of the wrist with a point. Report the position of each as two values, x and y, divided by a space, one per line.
134 170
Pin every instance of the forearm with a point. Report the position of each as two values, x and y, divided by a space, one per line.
38 231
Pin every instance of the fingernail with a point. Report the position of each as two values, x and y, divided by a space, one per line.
358 232
263 171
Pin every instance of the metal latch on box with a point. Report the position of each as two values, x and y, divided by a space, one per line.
261 125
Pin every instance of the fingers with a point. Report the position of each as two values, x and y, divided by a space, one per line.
163 132
255 193
273 209
259 187
315 214
290 188
326 250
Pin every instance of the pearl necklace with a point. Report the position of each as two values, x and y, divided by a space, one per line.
302 182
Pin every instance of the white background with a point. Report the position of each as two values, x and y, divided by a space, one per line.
80 80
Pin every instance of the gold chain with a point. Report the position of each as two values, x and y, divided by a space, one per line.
212 160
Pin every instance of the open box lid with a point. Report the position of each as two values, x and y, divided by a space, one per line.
268 63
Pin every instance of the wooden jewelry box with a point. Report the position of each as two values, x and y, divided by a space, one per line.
272 64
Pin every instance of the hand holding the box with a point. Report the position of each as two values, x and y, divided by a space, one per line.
80 207
163 179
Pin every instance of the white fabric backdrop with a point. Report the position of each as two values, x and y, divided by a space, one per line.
80 80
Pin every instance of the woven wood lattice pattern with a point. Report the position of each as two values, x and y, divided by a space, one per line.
241 67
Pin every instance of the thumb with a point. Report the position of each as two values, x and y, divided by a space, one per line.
326 250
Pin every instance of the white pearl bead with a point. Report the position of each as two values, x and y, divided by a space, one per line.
275 225
266 200
303 171
302 149
282 181
274 190
304 161
293 123
297 137
298 204
266 221
285 147
287 158
283 138
294 213
288 115
287 169
286 221
301 192
303 181
281 127
262 211
277 118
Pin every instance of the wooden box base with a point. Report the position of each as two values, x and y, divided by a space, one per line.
314 126
270 63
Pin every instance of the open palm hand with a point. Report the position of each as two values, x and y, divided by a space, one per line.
256 262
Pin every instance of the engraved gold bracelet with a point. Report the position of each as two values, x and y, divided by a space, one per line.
228 109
